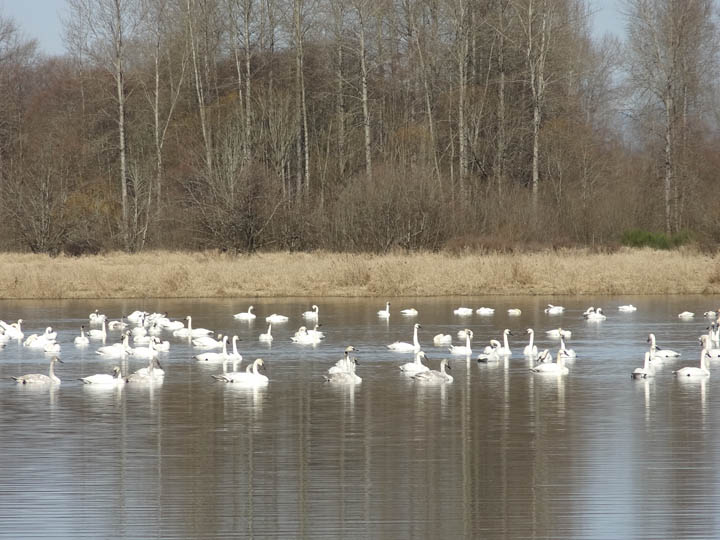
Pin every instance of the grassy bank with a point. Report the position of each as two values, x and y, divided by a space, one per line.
183 275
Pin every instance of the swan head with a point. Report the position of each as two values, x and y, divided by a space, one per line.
650 338
417 326
507 332
444 362
543 355
116 370
250 309
350 349
236 338
314 307
530 331
56 359
260 363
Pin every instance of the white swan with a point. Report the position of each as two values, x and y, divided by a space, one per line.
153 372
485 311
98 334
565 352
313 314
463 311
596 315
344 364
136 316
462 334
82 339
658 352
268 335
403 346
548 366
412 368
409 312
52 347
557 332
105 379
191 332
686 315
275 318
145 352
646 371
531 349
117 325
505 349
49 335
710 314
490 353
235 356
214 357
384 313
554 310
96 317
208 342
250 376
139 331
116 350
628 308
304 337
464 350
442 339
315 332
245 315
706 343
588 311
35 341
41 378
514 312
690 371
493 347
13 330
435 377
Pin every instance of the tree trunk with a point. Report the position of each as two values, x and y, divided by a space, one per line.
365 104
120 87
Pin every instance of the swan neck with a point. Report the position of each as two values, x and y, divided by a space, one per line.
505 340
532 337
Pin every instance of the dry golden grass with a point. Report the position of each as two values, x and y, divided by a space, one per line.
164 274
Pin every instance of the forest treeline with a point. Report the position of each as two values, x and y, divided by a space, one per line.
359 125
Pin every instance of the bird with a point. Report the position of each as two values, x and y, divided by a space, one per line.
105 379
404 346
658 352
465 350
268 335
505 349
250 376
463 311
554 310
530 349
313 314
557 332
82 339
275 318
646 371
546 364
344 364
485 311
41 378
596 315
246 315
442 339
686 315
411 368
409 312
384 313
627 308
514 312
433 376
214 357
691 371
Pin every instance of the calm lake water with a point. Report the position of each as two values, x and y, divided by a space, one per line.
499 453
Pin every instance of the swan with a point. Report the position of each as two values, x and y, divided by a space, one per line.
530 349
267 336
514 312
596 315
246 315
249 376
153 372
52 347
14 330
410 312
463 311
435 377
35 341
344 377
191 332
701 371
658 352
136 316
627 308
462 334
588 311
104 379
557 332
485 311
142 340
116 349
460 349
315 332
235 356
49 335
214 357
554 310
96 317
442 339
412 368
313 314
98 334
344 364
82 338
275 318
384 313
117 325
304 337
403 346
41 378
145 352
492 348
686 315
646 371
171 326
161 346
710 314
490 353
208 342
564 352
548 366
505 349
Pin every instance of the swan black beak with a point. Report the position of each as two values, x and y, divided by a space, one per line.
447 366
58 360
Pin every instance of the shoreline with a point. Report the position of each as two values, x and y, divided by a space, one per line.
166 274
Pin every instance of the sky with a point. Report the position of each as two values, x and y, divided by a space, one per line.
40 19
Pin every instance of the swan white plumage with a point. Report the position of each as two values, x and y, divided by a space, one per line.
464 350
548 366
117 325
435 377
312 314
710 314
588 311
96 317
214 357
208 342
35 341
116 350
706 342
275 318
490 353
344 364
384 313
531 349
105 379
565 352
191 332
416 366
504 350
646 371
493 347
246 315
53 347
152 373
628 308
442 339
686 315
596 315
98 334
485 311
49 335
557 332
463 311
13 330
409 312
267 336
304 337
82 339
691 371
250 376
514 312
41 378
554 310
136 316
658 352
403 346
145 352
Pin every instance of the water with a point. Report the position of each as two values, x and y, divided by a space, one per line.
500 453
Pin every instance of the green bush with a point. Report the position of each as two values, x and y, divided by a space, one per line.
642 238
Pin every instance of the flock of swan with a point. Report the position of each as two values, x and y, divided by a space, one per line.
146 331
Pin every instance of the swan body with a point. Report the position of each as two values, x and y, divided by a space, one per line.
686 315
531 349
344 364
105 379
554 310
250 376
412 368
710 314
191 332
485 311
312 314
410 312
565 352
646 371
659 353
442 339
145 352
490 353
627 308
596 315
548 366
116 350
153 372
493 347
52 348
214 357
463 311
246 315
691 371
35 341
208 342
384 313
275 318
117 325
41 378
403 346
98 334
435 377
136 316
268 335
505 349
464 350
304 337
588 311
96 317
514 312
557 332
82 339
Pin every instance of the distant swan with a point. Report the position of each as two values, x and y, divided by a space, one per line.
596 315
565 352
245 315
41 378
658 352
384 313
557 332
530 349
435 377
104 379
344 364
505 349
275 318
701 371
409 312
627 308
268 335
463 311
644 372
485 311
442 339
686 315
411 368
465 350
98 334
554 310
548 366
514 312
311 314
403 346
82 339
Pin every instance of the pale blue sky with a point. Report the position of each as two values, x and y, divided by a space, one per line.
40 19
